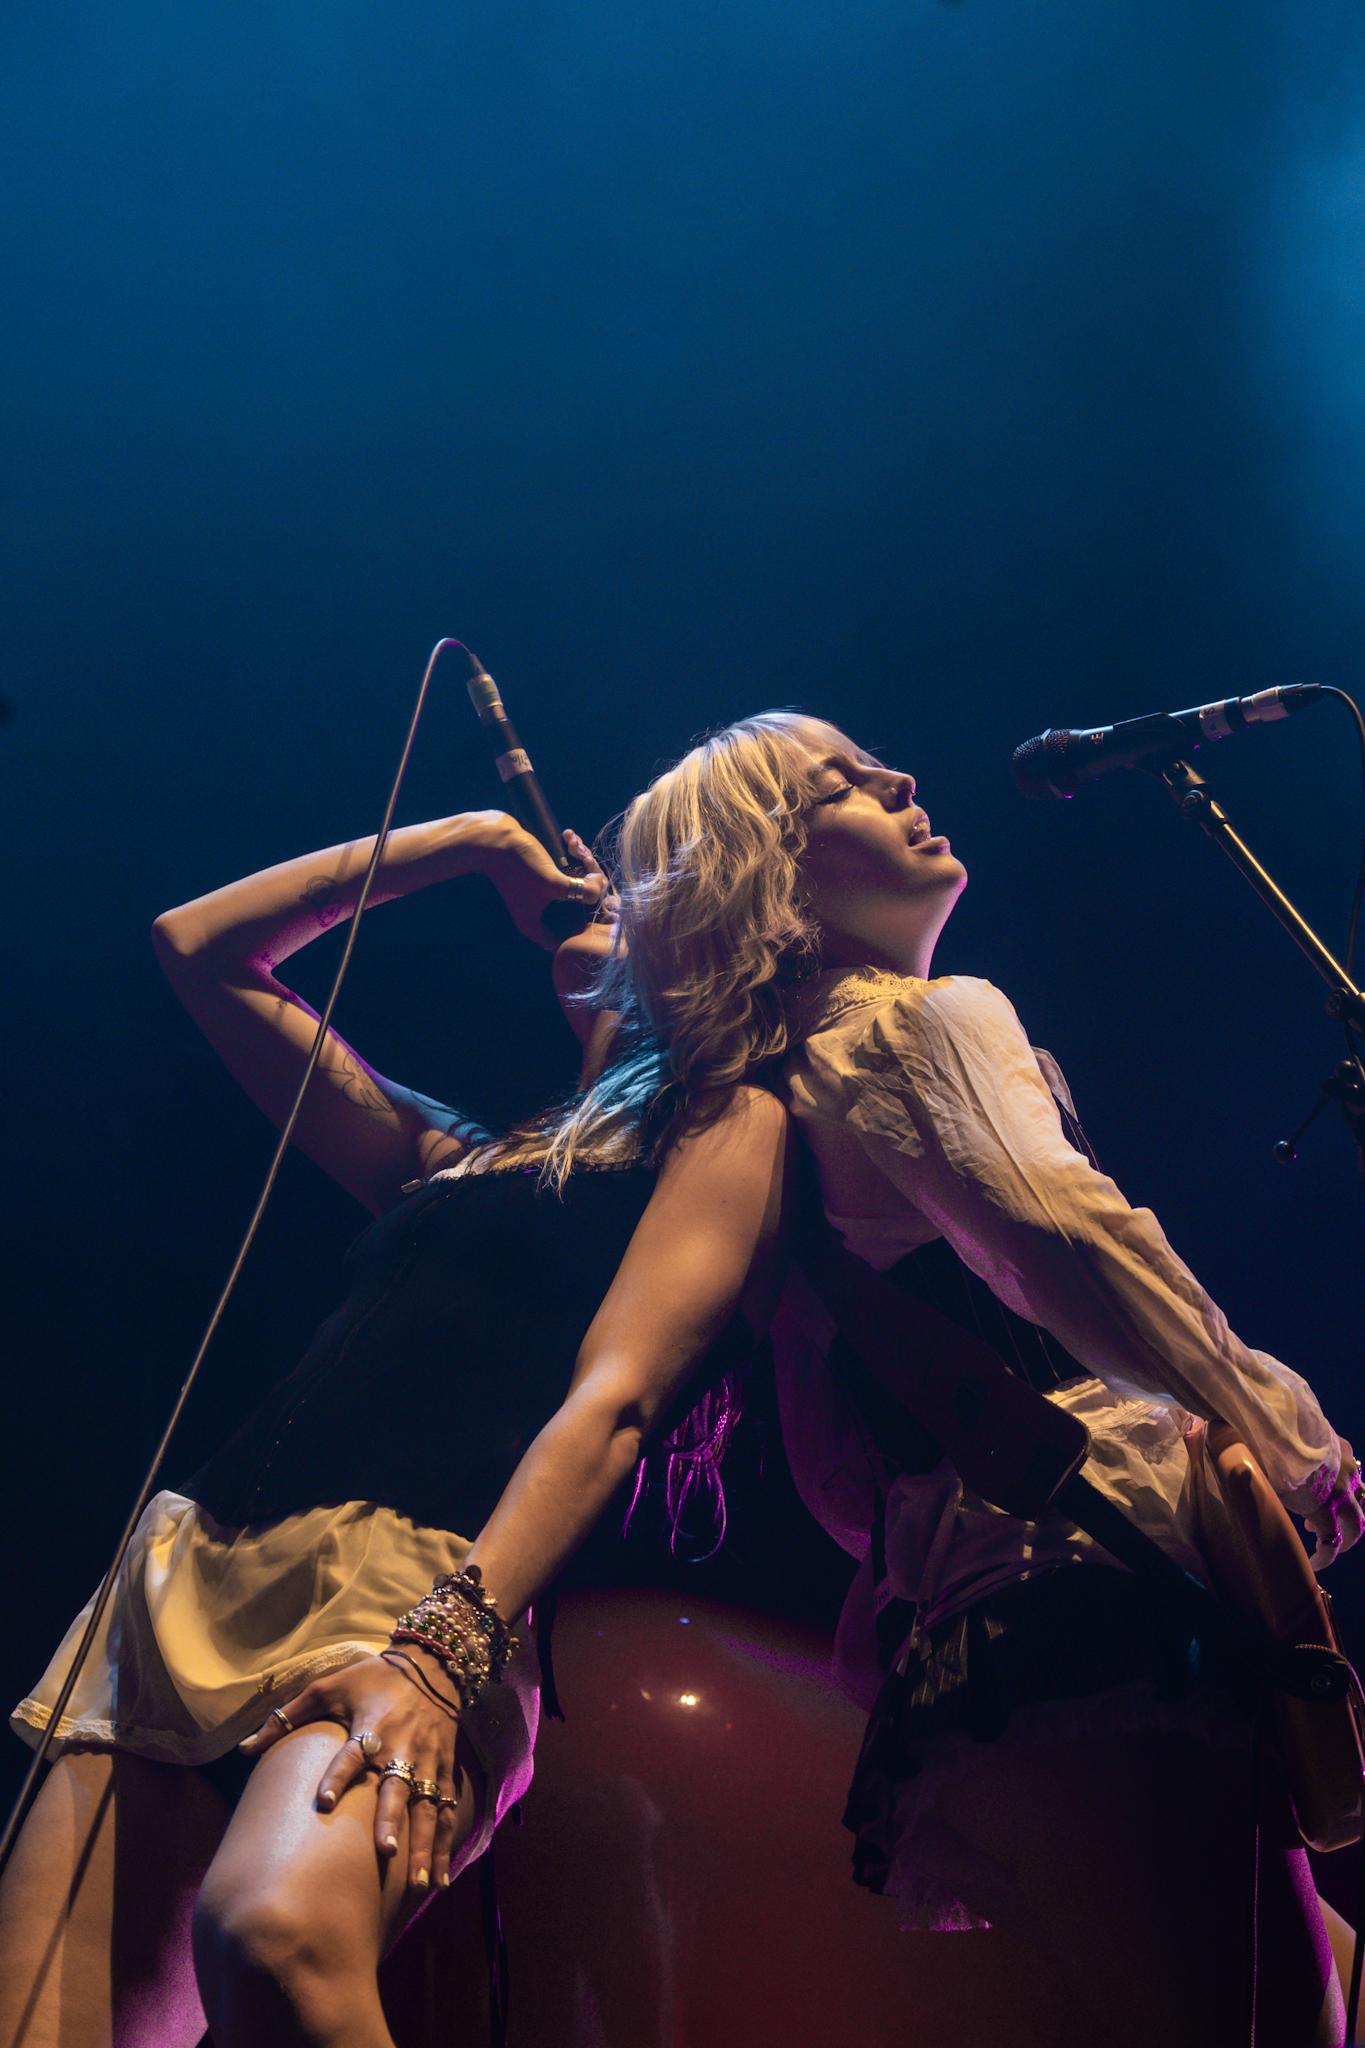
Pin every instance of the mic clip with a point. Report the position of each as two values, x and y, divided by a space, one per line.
1345 1087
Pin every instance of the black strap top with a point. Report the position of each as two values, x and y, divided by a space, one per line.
455 1344
935 1275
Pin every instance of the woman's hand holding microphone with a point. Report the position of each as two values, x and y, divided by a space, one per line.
528 881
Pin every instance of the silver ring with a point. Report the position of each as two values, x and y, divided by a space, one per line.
396 1768
426 1788
578 890
368 1744
278 1714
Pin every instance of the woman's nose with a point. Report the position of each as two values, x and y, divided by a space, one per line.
900 791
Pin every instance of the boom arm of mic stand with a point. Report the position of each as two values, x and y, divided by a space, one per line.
1197 802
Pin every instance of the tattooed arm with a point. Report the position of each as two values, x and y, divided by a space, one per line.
221 951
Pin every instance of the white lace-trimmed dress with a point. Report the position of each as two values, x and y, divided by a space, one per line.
939 1131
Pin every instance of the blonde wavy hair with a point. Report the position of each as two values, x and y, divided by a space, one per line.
714 928
713 933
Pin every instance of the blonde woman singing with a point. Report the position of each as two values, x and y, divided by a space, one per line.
1038 1760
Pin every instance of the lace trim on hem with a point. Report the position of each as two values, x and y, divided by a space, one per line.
163 1745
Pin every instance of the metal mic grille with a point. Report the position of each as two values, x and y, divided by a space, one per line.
1039 764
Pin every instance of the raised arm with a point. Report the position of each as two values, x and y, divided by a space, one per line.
220 953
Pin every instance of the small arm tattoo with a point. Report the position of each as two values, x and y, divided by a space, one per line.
323 893
358 1086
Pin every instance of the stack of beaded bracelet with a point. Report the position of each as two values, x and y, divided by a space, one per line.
458 1623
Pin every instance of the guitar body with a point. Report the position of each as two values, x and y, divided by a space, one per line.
1261 1568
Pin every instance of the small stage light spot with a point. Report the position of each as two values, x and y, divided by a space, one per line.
687 1699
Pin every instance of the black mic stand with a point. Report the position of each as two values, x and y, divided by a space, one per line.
1346 1086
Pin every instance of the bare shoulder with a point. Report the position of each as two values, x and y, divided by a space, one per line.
714 1233
730 1120
734 1153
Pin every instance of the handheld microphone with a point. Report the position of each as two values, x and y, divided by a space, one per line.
1059 763
513 763
525 795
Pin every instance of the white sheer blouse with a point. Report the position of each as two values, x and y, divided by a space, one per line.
930 1115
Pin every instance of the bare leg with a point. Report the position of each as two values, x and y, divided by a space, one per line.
1342 1936
1128 1861
95 1907
298 1908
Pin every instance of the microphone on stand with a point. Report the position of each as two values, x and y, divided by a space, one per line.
525 795
1059 763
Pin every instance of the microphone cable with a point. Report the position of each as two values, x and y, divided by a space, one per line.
19 1809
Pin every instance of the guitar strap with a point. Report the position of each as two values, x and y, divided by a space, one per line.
968 1405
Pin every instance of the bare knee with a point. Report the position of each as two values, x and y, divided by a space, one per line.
261 1931
271 1961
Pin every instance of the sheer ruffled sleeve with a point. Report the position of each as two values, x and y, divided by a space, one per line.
940 1087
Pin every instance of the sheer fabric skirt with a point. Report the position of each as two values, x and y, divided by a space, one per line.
208 1628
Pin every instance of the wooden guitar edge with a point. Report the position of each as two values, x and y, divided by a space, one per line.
1261 1568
